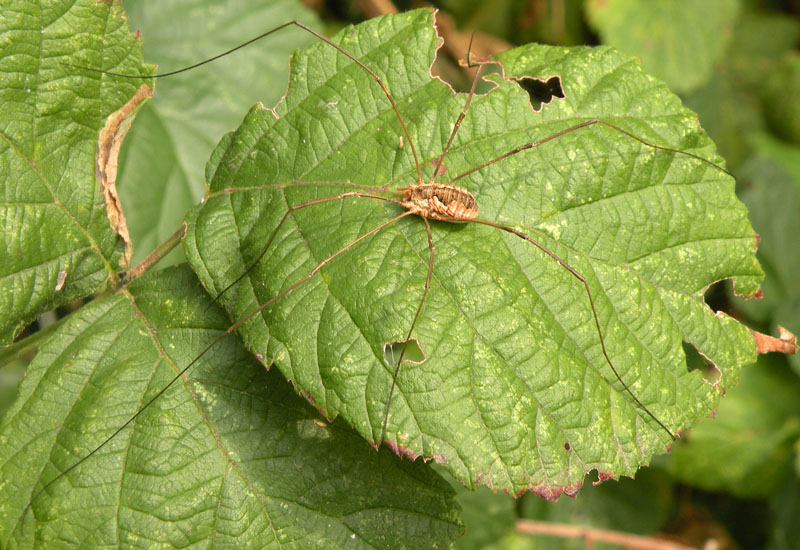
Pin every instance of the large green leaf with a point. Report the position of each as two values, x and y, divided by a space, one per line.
514 391
228 457
60 237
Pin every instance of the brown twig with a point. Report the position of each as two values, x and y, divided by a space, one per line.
162 250
457 42
591 536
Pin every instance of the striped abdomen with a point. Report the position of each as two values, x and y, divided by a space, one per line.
440 201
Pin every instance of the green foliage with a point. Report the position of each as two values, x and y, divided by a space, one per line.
229 456
679 41
54 215
782 88
771 190
514 392
732 103
513 370
755 430
176 131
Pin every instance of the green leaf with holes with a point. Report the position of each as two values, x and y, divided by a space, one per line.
62 237
229 456
511 388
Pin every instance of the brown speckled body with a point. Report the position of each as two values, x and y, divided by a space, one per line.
440 201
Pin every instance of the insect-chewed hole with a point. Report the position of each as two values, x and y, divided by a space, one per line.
413 352
540 91
716 296
696 361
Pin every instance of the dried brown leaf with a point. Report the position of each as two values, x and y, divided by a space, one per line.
109 142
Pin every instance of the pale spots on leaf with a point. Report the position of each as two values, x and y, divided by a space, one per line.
555 230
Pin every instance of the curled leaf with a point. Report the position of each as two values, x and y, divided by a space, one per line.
786 342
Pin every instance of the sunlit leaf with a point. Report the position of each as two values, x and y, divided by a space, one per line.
514 391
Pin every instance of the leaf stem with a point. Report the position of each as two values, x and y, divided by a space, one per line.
155 256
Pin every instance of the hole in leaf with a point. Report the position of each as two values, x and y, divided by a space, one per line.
717 297
540 91
696 361
392 352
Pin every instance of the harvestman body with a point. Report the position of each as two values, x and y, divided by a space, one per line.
440 201
445 202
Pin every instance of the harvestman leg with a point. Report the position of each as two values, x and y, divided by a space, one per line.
432 248
309 30
586 124
246 318
437 164
585 284
561 261
289 211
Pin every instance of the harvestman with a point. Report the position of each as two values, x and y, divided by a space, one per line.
427 199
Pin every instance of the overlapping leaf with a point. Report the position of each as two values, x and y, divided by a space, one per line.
514 391
228 457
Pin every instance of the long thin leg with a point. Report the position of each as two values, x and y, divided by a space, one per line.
309 30
283 219
438 162
432 248
232 328
584 124
582 279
